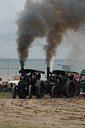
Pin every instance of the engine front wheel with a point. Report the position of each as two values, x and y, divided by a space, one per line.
55 92
22 96
30 91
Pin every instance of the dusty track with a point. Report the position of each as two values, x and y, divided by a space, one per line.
43 113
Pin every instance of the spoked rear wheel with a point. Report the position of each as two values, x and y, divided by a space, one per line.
40 89
70 88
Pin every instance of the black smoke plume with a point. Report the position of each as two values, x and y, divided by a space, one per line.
50 19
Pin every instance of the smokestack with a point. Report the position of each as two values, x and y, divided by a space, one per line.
48 70
22 69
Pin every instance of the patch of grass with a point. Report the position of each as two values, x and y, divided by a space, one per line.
5 95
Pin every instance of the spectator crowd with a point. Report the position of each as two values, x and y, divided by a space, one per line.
6 87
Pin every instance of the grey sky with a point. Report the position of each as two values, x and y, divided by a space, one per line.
8 48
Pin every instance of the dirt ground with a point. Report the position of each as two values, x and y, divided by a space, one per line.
43 113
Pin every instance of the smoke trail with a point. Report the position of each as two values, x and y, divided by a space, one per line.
34 21
48 18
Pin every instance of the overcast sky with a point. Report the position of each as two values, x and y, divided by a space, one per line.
8 48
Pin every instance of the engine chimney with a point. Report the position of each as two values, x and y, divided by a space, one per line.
22 69
48 70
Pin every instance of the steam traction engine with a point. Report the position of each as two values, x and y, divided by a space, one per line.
27 84
59 83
